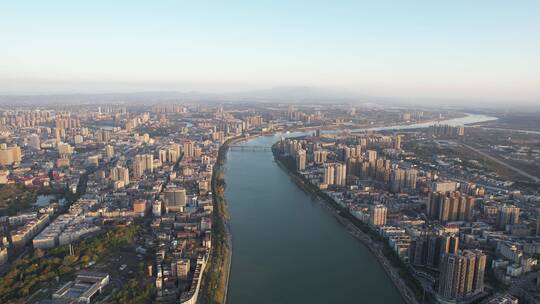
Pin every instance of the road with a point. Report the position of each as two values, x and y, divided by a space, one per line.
510 130
500 162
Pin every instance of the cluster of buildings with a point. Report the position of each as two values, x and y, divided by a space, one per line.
446 131
19 230
154 165
449 231
68 227
117 174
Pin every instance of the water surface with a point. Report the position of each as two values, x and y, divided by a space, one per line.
287 248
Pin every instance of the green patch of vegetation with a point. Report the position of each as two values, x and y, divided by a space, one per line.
15 198
134 292
215 277
32 271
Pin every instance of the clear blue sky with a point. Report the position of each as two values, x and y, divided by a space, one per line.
472 49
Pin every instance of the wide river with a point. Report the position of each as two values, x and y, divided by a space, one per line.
287 248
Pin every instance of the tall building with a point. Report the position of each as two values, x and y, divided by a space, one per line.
377 215
411 176
346 153
353 166
188 149
429 250
143 163
319 156
397 142
109 151
446 131
328 174
418 251
340 174
372 155
170 155
450 206
120 174
462 275
301 160
397 179
162 154
508 215
10 155
103 135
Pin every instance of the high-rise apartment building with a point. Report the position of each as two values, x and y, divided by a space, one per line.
10 155
462 275
319 156
162 156
372 155
411 176
109 151
340 174
377 215
508 215
450 206
397 179
428 250
120 174
397 142
328 174
143 163
301 160
188 148
103 135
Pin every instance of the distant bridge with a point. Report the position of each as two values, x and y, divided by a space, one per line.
249 148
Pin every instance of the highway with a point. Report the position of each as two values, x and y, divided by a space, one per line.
510 130
500 162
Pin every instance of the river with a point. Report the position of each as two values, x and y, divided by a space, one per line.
287 248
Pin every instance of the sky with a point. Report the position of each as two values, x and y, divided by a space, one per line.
486 51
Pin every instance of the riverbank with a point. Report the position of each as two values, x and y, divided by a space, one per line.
365 127
409 289
215 284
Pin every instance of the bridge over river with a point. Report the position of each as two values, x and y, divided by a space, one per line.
249 148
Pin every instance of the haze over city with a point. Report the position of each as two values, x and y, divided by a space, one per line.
424 51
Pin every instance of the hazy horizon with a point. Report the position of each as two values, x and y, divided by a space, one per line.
482 51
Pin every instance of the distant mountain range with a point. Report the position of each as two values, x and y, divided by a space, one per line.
279 94
284 94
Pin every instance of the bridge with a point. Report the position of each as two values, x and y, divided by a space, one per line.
249 148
